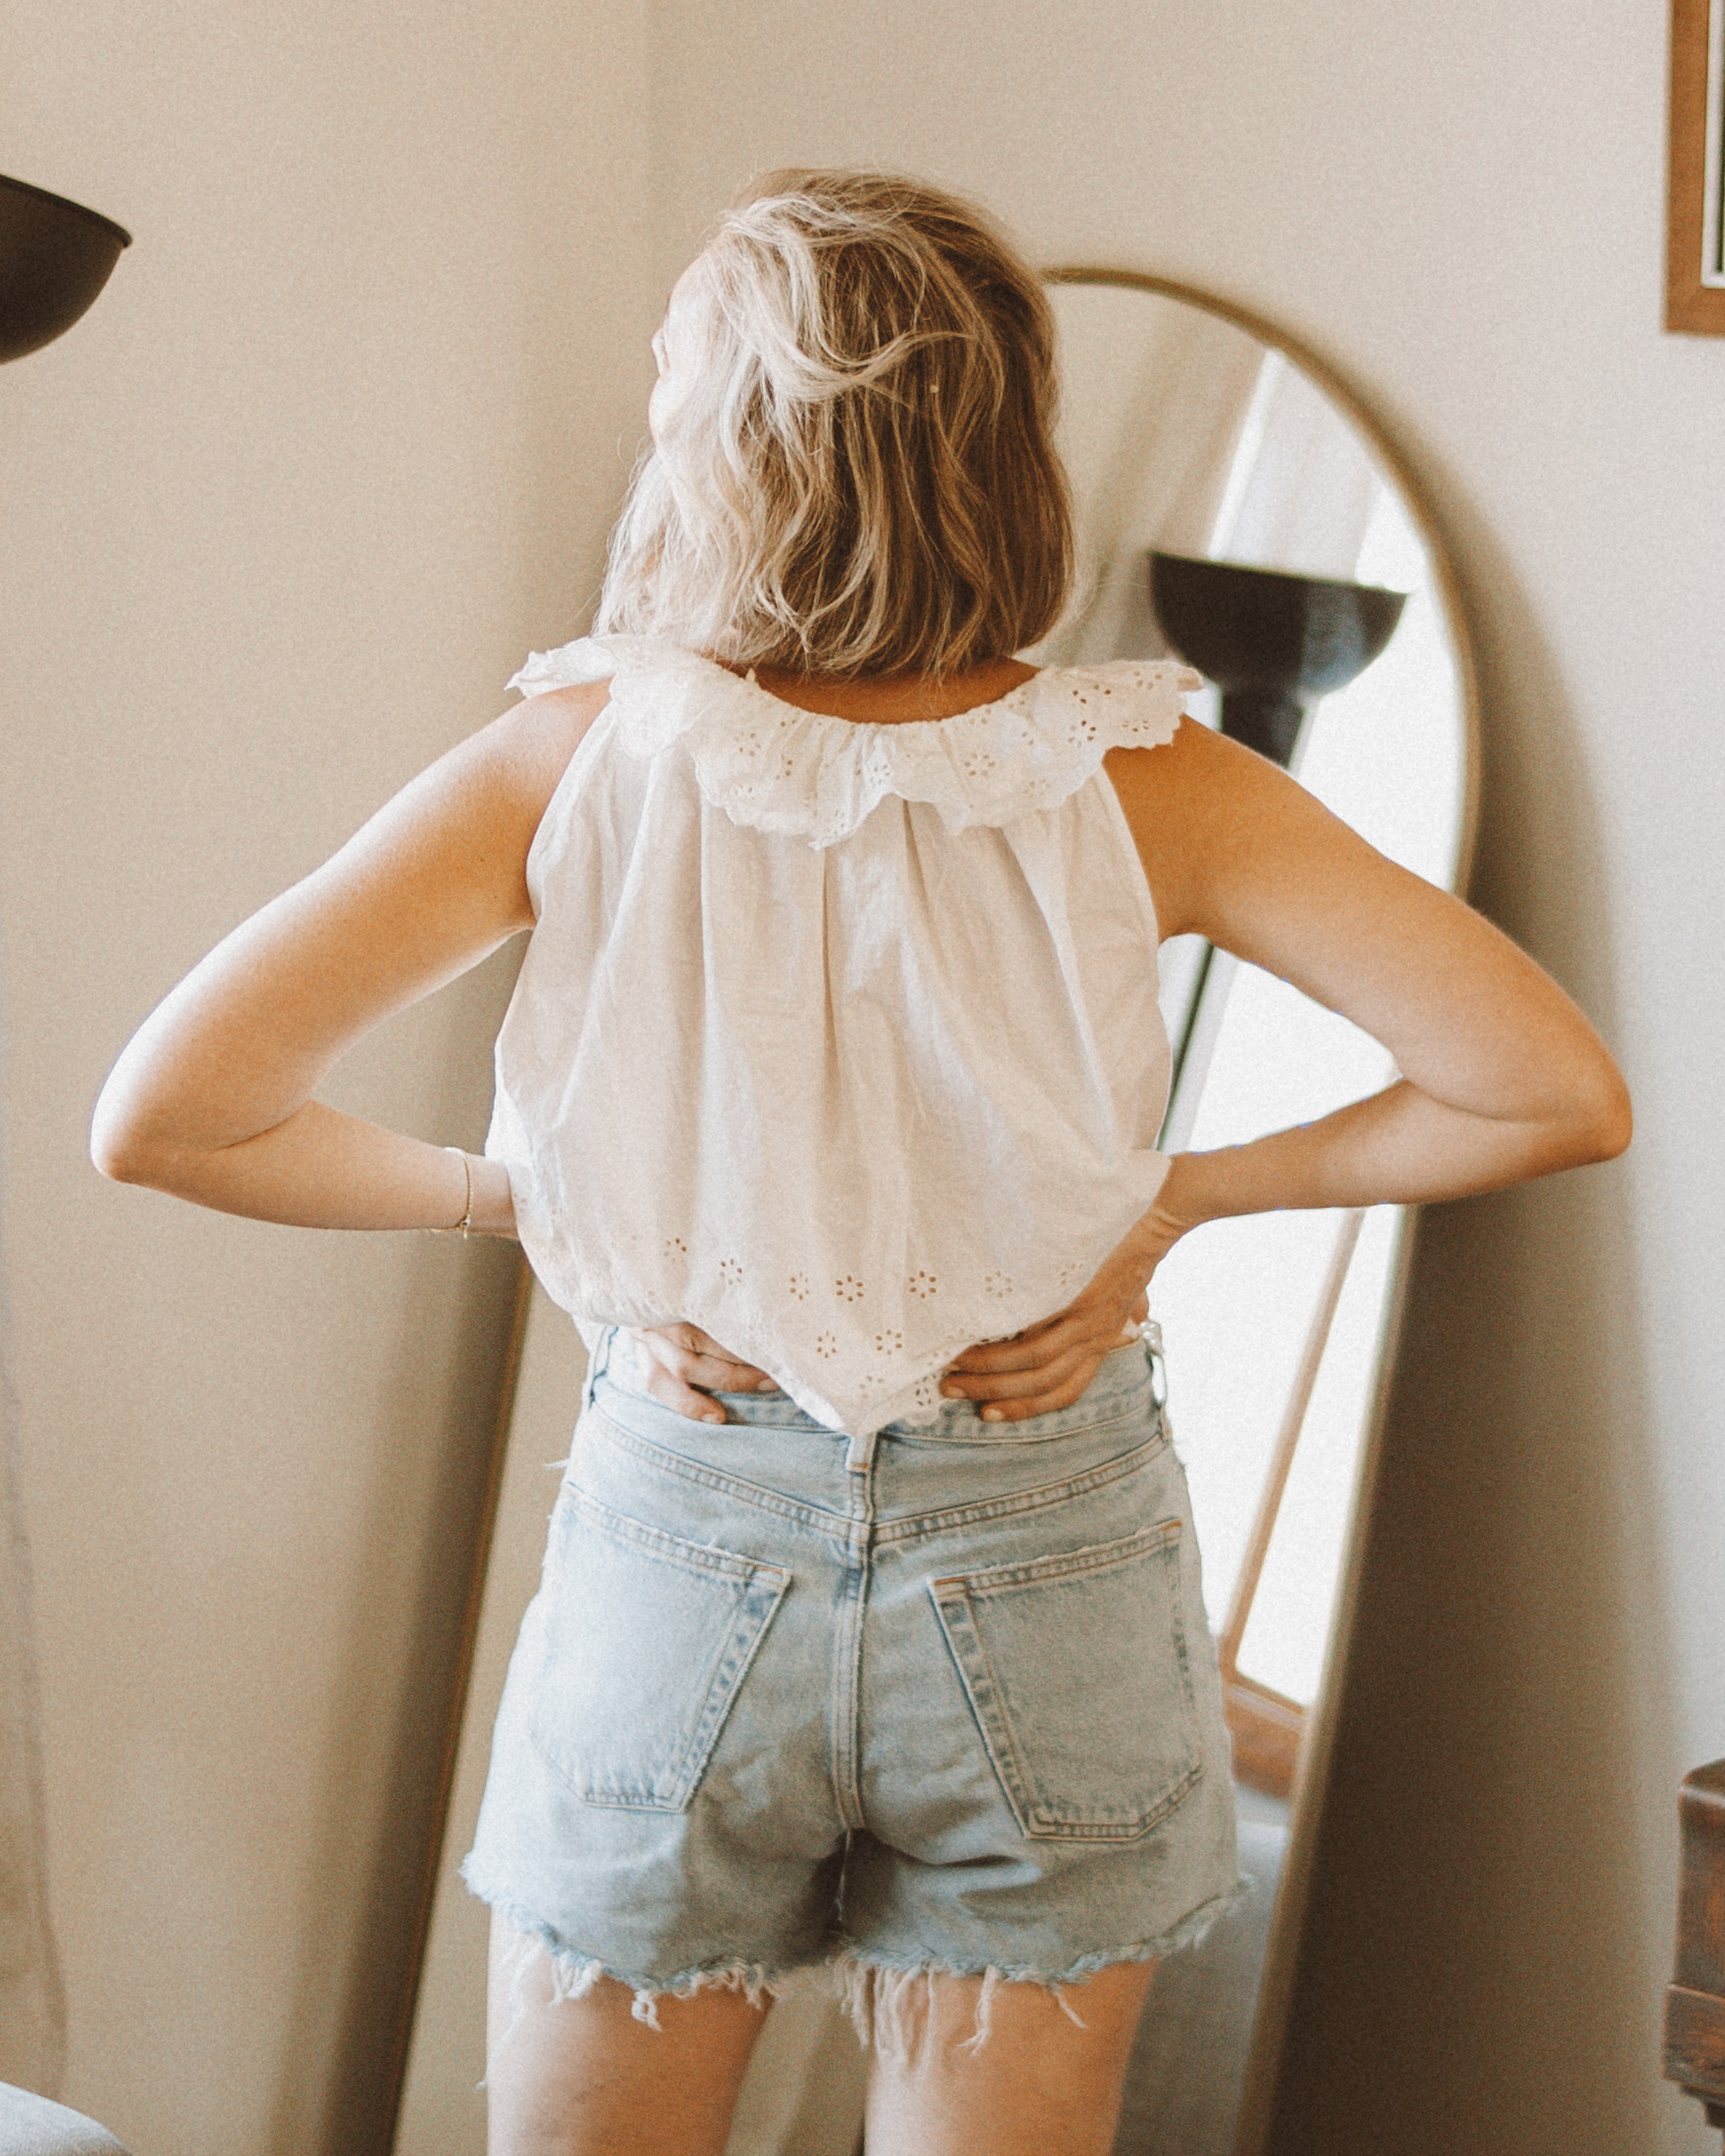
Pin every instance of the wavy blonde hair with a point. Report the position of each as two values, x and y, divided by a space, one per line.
861 477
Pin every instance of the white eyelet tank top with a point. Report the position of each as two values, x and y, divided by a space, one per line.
839 1041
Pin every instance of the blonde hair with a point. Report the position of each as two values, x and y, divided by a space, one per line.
862 475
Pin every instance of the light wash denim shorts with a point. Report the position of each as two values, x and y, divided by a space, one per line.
944 1700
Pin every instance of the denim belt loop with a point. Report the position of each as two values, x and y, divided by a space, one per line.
859 1454
1150 1333
597 1363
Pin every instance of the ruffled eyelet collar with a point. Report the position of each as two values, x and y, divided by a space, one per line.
776 768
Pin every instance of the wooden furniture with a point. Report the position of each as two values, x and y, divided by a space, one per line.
1694 1999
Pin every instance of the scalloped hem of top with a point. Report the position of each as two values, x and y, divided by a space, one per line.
884 1996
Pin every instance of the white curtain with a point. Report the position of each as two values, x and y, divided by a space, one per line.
33 2008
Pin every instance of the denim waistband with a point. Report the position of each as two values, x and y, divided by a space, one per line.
1119 1383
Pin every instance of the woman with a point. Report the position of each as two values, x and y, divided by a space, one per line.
871 1632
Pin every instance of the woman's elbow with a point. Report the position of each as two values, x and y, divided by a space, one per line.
1618 1125
124 1144
115 1147
1604 1120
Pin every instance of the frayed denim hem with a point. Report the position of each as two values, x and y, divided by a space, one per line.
573 1975
887 1998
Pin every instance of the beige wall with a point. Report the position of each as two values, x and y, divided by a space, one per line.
283 511
340 441
1460 206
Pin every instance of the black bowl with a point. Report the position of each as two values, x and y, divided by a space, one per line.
55 256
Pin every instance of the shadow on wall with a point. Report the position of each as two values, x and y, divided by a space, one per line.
399 1693
1505 1704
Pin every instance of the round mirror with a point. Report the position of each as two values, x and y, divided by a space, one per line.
1233 505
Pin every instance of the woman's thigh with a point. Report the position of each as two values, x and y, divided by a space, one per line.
583 2077
1044 2079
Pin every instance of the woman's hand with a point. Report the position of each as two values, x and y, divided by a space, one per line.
1049 1365
676 1359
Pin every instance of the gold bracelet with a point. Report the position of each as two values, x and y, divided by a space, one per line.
463 1227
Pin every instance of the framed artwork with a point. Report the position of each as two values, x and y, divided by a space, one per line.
1694 230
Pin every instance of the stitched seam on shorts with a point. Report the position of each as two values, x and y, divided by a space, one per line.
953 1597
921 1524
1123 1405
672 1548
835 1526
995 1731
1100 1557
846 1709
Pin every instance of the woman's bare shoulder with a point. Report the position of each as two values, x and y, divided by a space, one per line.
528 750
468 820
1178 800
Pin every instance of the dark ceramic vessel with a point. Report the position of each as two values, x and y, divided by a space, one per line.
1273 642
55 256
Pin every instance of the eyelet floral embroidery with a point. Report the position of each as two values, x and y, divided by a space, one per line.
848 1288
675 1247
800 1285
781 769
889 1342
730 1273
825 1345
997 1284
922 1285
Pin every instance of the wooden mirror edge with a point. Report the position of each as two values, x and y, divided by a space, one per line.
1317 1745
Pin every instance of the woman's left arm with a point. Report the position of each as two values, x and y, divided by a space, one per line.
1502 1077
211 1098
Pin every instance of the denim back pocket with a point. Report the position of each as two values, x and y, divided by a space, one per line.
646 1640
1077 1672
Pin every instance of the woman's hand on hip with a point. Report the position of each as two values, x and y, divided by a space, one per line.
682 1367
1050 1365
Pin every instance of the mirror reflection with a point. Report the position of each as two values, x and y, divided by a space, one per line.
1233 510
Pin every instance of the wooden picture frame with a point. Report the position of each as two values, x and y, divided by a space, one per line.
1695 229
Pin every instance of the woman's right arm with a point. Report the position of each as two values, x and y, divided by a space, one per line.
211 1098
1502 1077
